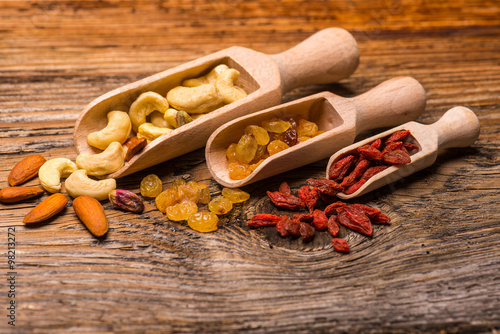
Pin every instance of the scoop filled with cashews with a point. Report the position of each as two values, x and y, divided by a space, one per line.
197 97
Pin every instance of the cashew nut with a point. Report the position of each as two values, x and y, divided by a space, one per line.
79 184
145 104
118 129
151 132
209 78
176 118
225 84
195 100
104 163
52 171
157 119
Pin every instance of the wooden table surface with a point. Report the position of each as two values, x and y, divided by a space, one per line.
435 268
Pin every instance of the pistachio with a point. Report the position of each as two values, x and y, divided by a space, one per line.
126 200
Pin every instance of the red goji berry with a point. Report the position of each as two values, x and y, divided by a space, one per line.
325 186
303 217
340 245
397 136
281 226
410 147
380 218
263 219
397 145
370 152
285 188
397 157
333 209
286 201
352 189
367 210
361 166
306 232
372 171
320 222
355 220
340 168
377 143
309 196
333 225
293 227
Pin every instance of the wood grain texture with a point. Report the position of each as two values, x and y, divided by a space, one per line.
434 268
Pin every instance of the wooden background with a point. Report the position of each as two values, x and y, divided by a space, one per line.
436 268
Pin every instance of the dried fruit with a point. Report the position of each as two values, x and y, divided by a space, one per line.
167 198
286 201
238 170
220 205
339 169
260 134
275 125
333 226
356 220
309 196
126 200
306 128
92 215
235 195
320 222
203 221
181 211
340 245
306 232
46 209
151 186
276 146
203 195
397 136
263 219
17 194
25 169
246 148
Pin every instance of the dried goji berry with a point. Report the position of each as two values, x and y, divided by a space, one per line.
367 210
340 168
397 136
286 201
377 143
352 189
293 227
303 217
410 147
333 208
355 220
333 225
264 219
306 232
397 157
380 218
309 196
320 222
397 145
361 166
285 188
340 245
281 226
325 186
370 152
372 171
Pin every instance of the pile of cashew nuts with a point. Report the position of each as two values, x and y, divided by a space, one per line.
150 116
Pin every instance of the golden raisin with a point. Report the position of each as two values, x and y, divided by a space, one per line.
306 128
276 146
167 198
260 134
203 221
203 195
235 195
231 153
175 184
181 211
151 186
220 205
238 171
246 148
275 125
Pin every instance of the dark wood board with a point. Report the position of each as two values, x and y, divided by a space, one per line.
435 268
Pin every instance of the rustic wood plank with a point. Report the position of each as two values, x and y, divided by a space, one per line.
434 268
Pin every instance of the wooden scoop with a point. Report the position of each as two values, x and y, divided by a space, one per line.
393 102
459 127
327 56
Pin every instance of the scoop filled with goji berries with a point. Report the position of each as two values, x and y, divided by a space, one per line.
297 133
398 152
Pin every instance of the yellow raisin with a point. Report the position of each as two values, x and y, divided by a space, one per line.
175 184
235 195
246 148
276 146
231 153
275 125
187 193
238 171
181 211
166 198
203 195
151 186
255 165
261 135
260 154
220 205
306 128
302 139
203 221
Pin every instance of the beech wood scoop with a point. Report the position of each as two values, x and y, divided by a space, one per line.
325 57
459 127
393 102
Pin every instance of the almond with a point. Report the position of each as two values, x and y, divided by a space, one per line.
47 208
17 194
133 146
92 215
25 169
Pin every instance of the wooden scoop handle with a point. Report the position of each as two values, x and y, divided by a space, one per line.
393 102
459 127
327 56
